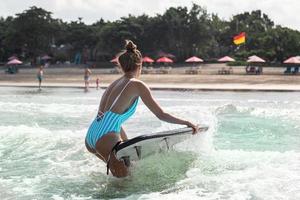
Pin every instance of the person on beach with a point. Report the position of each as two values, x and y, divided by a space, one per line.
97 83
118 103
40 75
87 74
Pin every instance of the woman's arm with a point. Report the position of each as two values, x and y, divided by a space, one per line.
150 102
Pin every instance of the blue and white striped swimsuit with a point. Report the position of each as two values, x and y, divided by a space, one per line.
108 122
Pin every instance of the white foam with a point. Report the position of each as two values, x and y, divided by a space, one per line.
266 111
259 175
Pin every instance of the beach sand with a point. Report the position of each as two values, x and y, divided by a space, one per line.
272 79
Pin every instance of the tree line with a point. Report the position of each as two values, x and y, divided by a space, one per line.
179 32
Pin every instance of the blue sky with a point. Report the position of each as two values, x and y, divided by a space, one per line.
283 12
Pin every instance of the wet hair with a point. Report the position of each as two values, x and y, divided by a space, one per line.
130 58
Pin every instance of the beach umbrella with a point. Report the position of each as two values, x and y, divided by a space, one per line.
46 57
12 57
194 59
226 59
148 59
14 62
115 60
255 59
292 60
164 60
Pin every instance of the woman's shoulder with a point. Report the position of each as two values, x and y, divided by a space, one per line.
139 84
137 81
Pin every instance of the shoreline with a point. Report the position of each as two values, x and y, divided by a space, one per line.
207 80
177 87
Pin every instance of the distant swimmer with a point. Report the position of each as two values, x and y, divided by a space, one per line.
118 103
87 74
40 75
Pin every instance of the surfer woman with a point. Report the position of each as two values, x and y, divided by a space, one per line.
117 104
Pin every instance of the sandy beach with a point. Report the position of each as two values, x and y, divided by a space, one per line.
273 79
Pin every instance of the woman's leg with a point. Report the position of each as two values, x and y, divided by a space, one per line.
93 151
104 147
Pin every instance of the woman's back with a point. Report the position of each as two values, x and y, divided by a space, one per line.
117 105
119 96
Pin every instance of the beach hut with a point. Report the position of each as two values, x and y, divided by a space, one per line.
12 66
14 62
254 60
149 69
45 60
223 70
164 60
147 59
226 59
292 60
164 70
293 65
194 59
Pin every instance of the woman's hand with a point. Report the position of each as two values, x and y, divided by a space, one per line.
193 126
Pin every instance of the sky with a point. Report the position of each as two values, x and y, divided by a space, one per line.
282 12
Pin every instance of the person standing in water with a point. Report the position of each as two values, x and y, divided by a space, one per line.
97 83
118 103
87 74
40 75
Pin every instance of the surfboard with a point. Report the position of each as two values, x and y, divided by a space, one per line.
145 145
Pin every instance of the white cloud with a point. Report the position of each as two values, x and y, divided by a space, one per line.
282 12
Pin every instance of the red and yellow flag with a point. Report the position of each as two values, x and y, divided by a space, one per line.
240 38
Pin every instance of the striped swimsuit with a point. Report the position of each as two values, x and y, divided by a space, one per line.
108 122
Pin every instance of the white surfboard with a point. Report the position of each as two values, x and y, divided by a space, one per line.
145 145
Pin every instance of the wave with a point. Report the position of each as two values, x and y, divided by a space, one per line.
266 111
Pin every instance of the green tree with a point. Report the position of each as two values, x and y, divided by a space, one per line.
31 32
180 31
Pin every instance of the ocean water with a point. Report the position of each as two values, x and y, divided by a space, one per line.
251 151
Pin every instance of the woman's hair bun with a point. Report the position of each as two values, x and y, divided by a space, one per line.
130 46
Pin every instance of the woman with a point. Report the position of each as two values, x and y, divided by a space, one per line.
118 103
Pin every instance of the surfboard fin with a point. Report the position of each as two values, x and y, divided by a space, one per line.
138 151
167 143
